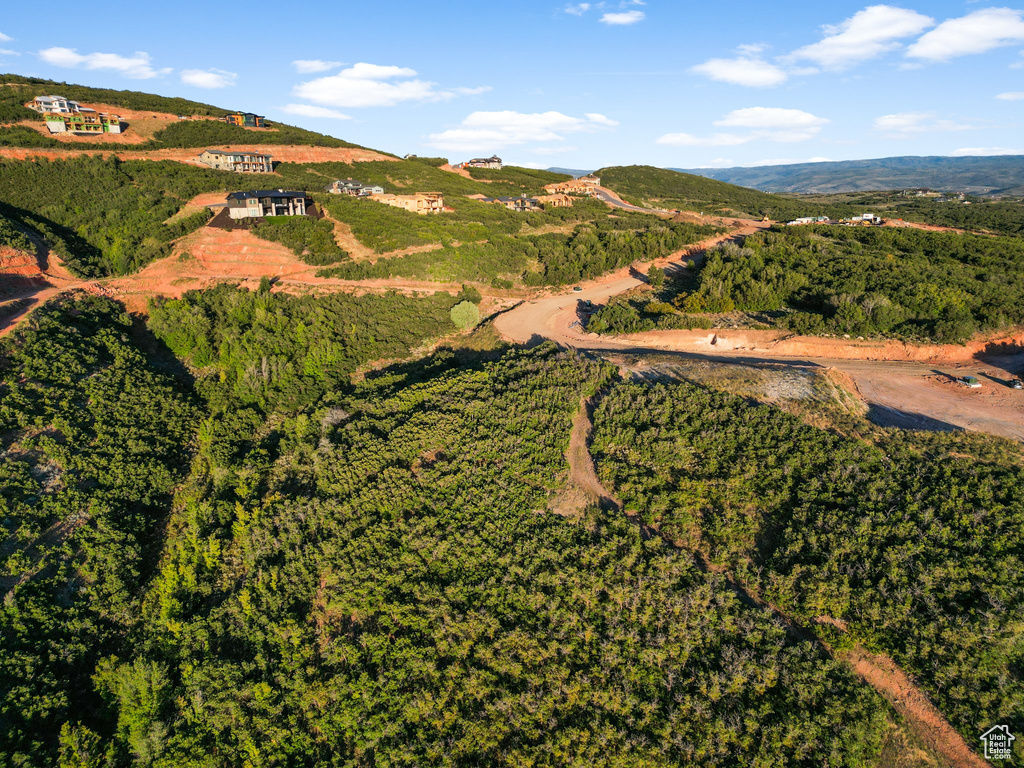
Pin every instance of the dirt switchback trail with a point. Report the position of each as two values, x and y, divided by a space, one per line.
584 486
882 674
878 671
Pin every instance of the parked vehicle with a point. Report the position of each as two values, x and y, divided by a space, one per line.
970 382
1017 384
577 289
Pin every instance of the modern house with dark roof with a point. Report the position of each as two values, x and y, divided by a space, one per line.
242 162
246 120
354 188
267 202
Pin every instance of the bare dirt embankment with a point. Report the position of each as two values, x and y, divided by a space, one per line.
791 345
927 723
464 173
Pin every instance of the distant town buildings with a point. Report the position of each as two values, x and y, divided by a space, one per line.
82 123
53 105
863 219
354 188
267 202
246 120
240 162
422 203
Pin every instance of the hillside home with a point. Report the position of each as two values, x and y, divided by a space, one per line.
520 204
573 187
242 162
494 163
53 105
267 202
83 123
422 203
246 120
354 188
555 201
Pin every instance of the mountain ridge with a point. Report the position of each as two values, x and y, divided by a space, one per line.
995 175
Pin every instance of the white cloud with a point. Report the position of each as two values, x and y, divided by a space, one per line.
623 19
865 35
473 91
974 33
8 52
716 140
989 151
596 117
370 85
775 123
1011 96
489 131
762 123
309 66
909 123
208 78
577 10
5 38
310 110
751 71
138 66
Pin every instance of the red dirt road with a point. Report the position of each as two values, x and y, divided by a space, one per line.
905 385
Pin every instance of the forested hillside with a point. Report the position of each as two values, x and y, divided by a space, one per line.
646 185
907 283
983 175
94 440
369 571
915 543
106 217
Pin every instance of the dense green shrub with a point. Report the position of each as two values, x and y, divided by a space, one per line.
23 136
208 133
312 240
275 350
92 442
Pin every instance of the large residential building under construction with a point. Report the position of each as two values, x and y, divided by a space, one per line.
240 162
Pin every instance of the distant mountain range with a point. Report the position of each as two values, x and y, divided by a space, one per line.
574 172
994 176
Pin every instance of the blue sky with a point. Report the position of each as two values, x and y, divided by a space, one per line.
578 85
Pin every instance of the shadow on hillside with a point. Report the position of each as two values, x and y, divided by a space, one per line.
12 286
885 416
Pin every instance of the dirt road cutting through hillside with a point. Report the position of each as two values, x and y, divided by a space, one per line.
919 391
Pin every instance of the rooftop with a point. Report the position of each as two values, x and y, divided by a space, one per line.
260 193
